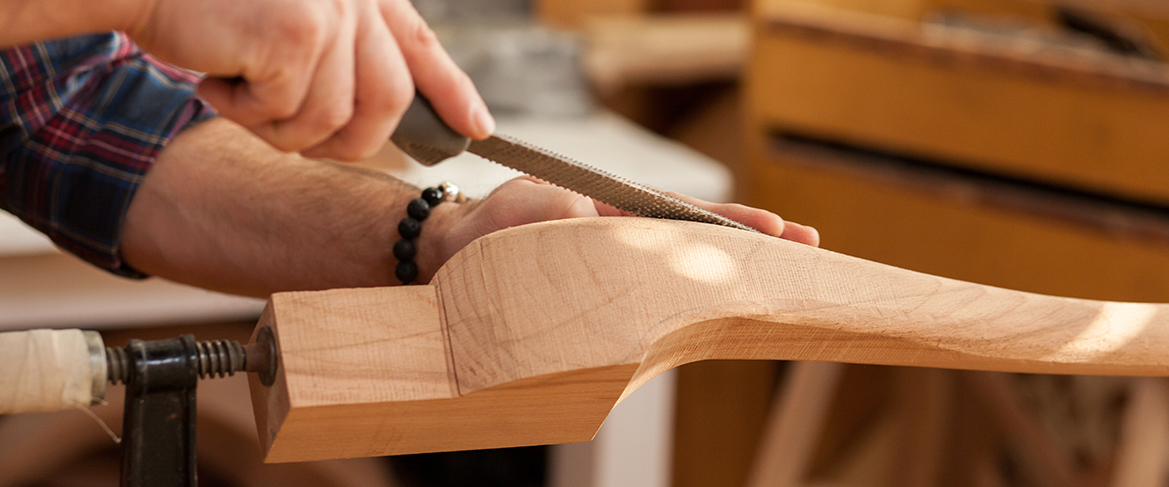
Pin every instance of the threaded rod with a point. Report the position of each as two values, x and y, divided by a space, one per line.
216 358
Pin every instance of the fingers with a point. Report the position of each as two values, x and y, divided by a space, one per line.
801 233
383 91
447 87
526 200
335 89
396 50
542 201
328 104
268 84
604 209
762 220
332 79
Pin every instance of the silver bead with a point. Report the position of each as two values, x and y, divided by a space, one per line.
450 192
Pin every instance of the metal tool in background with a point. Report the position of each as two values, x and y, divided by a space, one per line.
424 136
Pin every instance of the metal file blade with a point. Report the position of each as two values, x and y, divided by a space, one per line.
615 191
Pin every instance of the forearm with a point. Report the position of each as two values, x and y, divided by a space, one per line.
223 210
24 21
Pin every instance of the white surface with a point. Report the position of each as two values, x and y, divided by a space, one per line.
634 447
41 287
16 238
636 443
56 290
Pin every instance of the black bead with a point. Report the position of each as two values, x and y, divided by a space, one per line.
418 209
433 196
404 250
409 228
406 271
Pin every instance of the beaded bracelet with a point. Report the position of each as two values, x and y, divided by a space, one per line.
410 227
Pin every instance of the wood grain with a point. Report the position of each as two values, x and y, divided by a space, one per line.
546 326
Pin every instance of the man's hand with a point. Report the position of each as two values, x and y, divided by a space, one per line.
326 78
528 200
224 211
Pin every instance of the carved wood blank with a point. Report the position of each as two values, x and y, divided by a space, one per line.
531 335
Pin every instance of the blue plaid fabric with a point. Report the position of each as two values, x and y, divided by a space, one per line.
81 121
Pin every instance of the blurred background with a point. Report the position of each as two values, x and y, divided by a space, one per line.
1016 143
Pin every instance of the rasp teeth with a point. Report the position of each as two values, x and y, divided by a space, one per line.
592 182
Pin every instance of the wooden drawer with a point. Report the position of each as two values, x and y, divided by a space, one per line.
1082 119
977 230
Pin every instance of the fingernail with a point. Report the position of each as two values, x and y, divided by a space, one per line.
484 122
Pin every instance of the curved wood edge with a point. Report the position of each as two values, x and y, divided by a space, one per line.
532 334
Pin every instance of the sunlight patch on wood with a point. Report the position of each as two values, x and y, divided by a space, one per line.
1115 326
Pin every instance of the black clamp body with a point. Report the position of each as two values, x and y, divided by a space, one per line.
158 444
158 448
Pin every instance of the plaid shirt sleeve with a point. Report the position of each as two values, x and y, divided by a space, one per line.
81 121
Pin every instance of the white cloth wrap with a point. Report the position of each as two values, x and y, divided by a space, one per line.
44 370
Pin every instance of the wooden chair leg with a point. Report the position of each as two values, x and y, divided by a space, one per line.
924 406
1050 466
1143 451
796 420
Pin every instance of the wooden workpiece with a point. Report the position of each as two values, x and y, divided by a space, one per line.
531 335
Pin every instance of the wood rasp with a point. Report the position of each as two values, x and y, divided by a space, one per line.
425 137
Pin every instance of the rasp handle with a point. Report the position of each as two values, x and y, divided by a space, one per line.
424 136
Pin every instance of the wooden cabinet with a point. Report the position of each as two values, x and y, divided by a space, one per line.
979 140
1007 159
